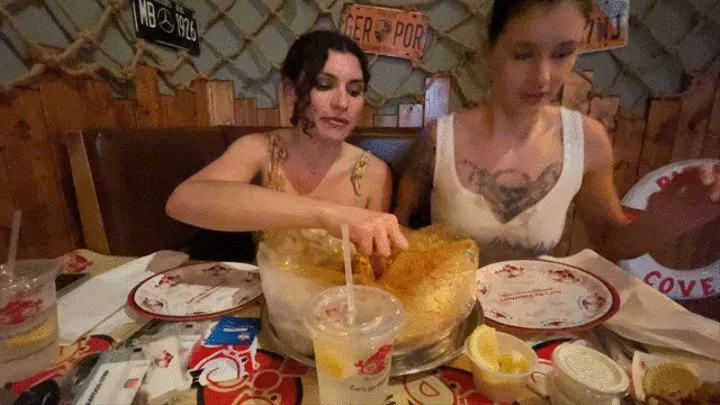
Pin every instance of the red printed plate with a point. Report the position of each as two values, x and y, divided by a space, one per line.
544 296
196 292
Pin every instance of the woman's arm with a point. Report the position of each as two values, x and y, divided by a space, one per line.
669 213
220 197
380 179
416 182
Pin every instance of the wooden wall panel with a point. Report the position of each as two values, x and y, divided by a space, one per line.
268 117
246 111
627 145
711 147
125 113
576 91
32 178
186 107
97 104
659 135
697 104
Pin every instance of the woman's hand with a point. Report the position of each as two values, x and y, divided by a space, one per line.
372 232
691 200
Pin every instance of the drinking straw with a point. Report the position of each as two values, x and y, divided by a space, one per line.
348 275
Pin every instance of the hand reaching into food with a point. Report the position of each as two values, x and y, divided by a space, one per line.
372 232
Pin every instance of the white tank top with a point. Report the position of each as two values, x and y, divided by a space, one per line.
531 233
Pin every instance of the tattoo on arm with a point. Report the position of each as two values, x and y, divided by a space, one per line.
509 200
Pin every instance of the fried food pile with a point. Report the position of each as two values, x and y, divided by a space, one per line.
434 278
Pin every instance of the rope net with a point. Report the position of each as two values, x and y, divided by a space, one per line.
243 41
246 40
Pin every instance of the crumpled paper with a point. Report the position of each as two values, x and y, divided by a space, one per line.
648 316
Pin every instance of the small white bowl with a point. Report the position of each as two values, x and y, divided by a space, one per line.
587 376
501 387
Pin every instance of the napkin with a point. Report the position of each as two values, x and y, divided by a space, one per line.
648 316
98 298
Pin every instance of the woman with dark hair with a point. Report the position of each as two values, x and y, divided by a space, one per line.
308 176
506 171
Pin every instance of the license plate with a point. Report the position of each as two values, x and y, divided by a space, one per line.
168 23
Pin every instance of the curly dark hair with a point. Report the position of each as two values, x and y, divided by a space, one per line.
306 59
504 10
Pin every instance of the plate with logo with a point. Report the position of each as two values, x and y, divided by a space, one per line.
197 292
540 296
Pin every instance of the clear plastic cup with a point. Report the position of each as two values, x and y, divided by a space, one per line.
353 360
28 319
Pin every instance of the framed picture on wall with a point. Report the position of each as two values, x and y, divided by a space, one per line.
608 27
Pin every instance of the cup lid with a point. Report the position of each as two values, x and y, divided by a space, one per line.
590 368
377 313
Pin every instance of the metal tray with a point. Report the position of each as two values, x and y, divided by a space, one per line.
424 358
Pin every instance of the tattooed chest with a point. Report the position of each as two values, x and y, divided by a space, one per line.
509 191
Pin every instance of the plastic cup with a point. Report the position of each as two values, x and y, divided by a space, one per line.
353 360
503 388
28 319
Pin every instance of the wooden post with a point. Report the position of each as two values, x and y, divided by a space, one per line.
62 107
221 102
186 107
202 104
437 98
366 120
285 106
604 110
149 113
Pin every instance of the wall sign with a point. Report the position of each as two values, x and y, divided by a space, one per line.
386 31
168 23
677 284
608 25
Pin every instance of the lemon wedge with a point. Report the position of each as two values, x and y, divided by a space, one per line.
483 347
332 362
513 362
670 378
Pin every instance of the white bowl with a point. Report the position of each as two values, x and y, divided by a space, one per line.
502 388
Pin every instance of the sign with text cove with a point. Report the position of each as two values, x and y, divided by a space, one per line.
168 23
386 31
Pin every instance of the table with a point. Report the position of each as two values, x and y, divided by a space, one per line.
280 379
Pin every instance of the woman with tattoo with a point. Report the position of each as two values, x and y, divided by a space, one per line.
505 172
307 175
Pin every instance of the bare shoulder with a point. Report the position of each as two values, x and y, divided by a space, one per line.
598 146
376 167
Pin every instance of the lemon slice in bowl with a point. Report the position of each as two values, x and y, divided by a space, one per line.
483 347
513 362
670 378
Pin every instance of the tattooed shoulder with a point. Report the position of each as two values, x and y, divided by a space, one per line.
510 192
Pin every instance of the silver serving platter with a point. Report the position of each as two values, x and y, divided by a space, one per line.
425 358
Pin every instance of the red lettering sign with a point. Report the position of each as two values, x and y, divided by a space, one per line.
651 275
666 285
686 290
707 286
386 31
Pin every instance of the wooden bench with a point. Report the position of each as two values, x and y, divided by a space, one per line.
123 178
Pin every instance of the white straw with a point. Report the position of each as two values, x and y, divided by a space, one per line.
348 274
14 236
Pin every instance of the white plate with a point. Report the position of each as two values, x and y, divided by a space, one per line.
544 296
197 292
